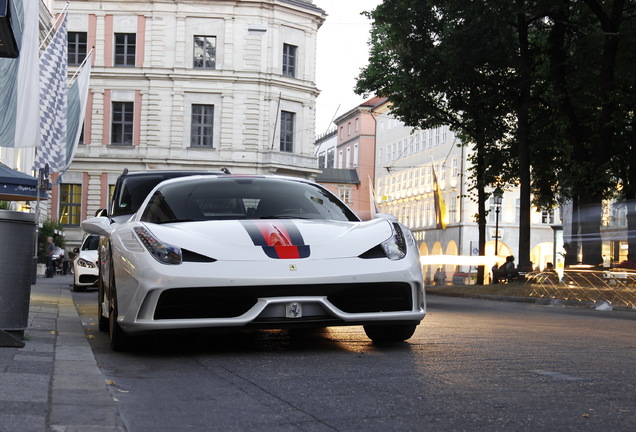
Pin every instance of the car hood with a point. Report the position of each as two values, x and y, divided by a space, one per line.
274 238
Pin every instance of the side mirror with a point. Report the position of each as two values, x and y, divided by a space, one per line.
75 250
101 212
97 225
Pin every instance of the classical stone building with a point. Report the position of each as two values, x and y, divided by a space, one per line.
408 163
189 84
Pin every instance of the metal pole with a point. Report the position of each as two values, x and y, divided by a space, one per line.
497 230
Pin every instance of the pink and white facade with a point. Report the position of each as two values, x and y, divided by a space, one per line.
354 154
190 85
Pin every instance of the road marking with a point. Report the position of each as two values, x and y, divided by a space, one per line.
557 375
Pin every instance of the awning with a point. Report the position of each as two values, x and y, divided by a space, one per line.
18 186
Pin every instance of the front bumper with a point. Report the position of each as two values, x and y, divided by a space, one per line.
188 297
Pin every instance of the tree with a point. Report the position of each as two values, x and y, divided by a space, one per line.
424 60
539 98
584 49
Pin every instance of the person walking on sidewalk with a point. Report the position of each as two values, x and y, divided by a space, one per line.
49 251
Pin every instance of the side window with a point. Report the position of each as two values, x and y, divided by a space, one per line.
70 204
204 52
125 49
289 60
202 126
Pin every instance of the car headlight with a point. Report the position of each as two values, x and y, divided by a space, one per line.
162 252
85 263
395 246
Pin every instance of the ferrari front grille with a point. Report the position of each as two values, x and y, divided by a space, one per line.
228 302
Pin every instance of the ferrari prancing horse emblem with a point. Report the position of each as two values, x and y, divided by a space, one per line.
293 310
292 267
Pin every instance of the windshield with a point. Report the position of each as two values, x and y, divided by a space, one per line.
135 188
243 198
91 243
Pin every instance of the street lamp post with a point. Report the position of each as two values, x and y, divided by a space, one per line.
497 196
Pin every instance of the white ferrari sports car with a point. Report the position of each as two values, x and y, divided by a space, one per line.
232 251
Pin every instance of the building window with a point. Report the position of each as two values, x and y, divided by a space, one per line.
76 48
122 123
345 195
547 216
287 131
356 155
111 192
289 60
619 215
452 210
357 124
348 158
330 158
202 126
125 47
321 160
204 52
70 204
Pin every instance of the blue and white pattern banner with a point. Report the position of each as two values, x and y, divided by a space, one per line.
77 100
53 102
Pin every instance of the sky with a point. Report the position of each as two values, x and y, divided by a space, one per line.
337 68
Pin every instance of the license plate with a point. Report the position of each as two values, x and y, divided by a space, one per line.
293 310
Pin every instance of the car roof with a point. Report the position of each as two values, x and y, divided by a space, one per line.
239 176
171 173
127 177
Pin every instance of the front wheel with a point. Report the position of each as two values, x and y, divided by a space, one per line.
382 334
119 340
102 321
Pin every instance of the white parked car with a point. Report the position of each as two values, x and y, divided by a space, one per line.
254 251
85 270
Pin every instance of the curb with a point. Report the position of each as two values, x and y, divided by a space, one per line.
80 399
542 301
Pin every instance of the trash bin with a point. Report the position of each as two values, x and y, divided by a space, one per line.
17 231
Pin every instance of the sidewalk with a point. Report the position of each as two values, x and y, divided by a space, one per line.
53 383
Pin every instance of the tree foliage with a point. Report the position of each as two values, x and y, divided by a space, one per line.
542 89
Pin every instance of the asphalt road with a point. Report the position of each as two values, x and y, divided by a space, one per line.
473 365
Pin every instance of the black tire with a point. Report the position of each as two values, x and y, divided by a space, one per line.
119 340
102 321
382 334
